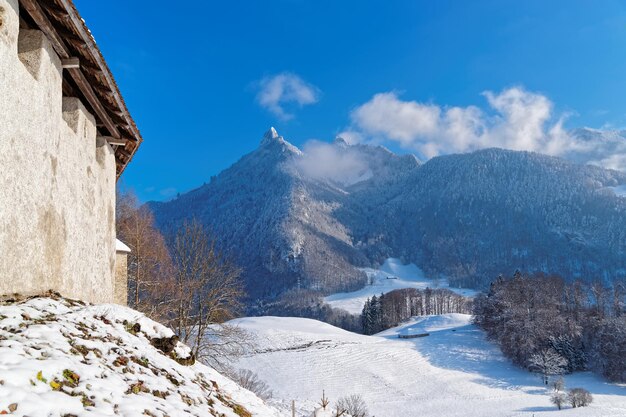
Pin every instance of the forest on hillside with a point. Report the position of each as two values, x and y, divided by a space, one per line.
553 327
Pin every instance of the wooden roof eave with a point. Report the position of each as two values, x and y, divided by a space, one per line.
106 111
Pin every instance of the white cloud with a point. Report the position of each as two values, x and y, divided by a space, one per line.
514 119
322 160
282 91
399 120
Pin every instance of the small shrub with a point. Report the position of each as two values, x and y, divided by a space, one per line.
558 399
559 384
71 377
354 405
241 411
579 397
250 381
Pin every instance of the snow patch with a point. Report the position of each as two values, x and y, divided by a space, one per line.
392 275
121 246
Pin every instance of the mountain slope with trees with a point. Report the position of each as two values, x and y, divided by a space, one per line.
309 219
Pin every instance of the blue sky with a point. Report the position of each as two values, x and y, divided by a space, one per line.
194 77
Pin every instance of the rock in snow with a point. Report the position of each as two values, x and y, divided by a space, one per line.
61 357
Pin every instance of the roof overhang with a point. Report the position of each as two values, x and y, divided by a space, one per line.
85 73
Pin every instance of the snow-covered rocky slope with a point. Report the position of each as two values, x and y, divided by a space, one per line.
392 275
60 357
453 372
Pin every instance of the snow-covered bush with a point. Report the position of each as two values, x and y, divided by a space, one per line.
353 405
558 399
250 381
579 397
558 384
547 363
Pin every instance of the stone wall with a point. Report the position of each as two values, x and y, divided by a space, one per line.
120 284
57 185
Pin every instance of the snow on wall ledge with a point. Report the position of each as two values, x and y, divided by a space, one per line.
59 357
57 208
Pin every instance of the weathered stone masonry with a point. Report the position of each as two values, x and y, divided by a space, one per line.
57 177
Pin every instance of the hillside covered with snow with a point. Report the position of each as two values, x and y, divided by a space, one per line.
60 357
454 371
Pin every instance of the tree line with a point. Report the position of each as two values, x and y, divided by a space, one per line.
389 310
547 325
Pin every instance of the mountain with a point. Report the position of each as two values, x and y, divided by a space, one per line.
473 216
275 215
309 219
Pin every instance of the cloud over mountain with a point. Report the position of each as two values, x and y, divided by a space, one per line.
515 118
323 160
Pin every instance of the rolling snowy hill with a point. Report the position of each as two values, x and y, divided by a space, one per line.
452 372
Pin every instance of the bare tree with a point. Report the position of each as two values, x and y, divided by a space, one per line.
558 384
149 263
558 399
250 381
579 397
354 405
339 412
547 362
222 344
207 292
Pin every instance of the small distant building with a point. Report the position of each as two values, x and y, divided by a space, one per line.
120 286
65 138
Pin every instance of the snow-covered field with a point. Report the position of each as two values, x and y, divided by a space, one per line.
452 372
392 275
62 358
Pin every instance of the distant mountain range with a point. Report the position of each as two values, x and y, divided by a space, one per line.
310 219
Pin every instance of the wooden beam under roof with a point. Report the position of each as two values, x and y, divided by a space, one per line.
124 152
92 82
67 63
114 141
38 15
85 88
91 46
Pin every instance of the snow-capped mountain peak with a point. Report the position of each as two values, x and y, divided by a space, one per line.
272 140
271 134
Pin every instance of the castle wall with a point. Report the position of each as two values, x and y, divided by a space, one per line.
57 185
